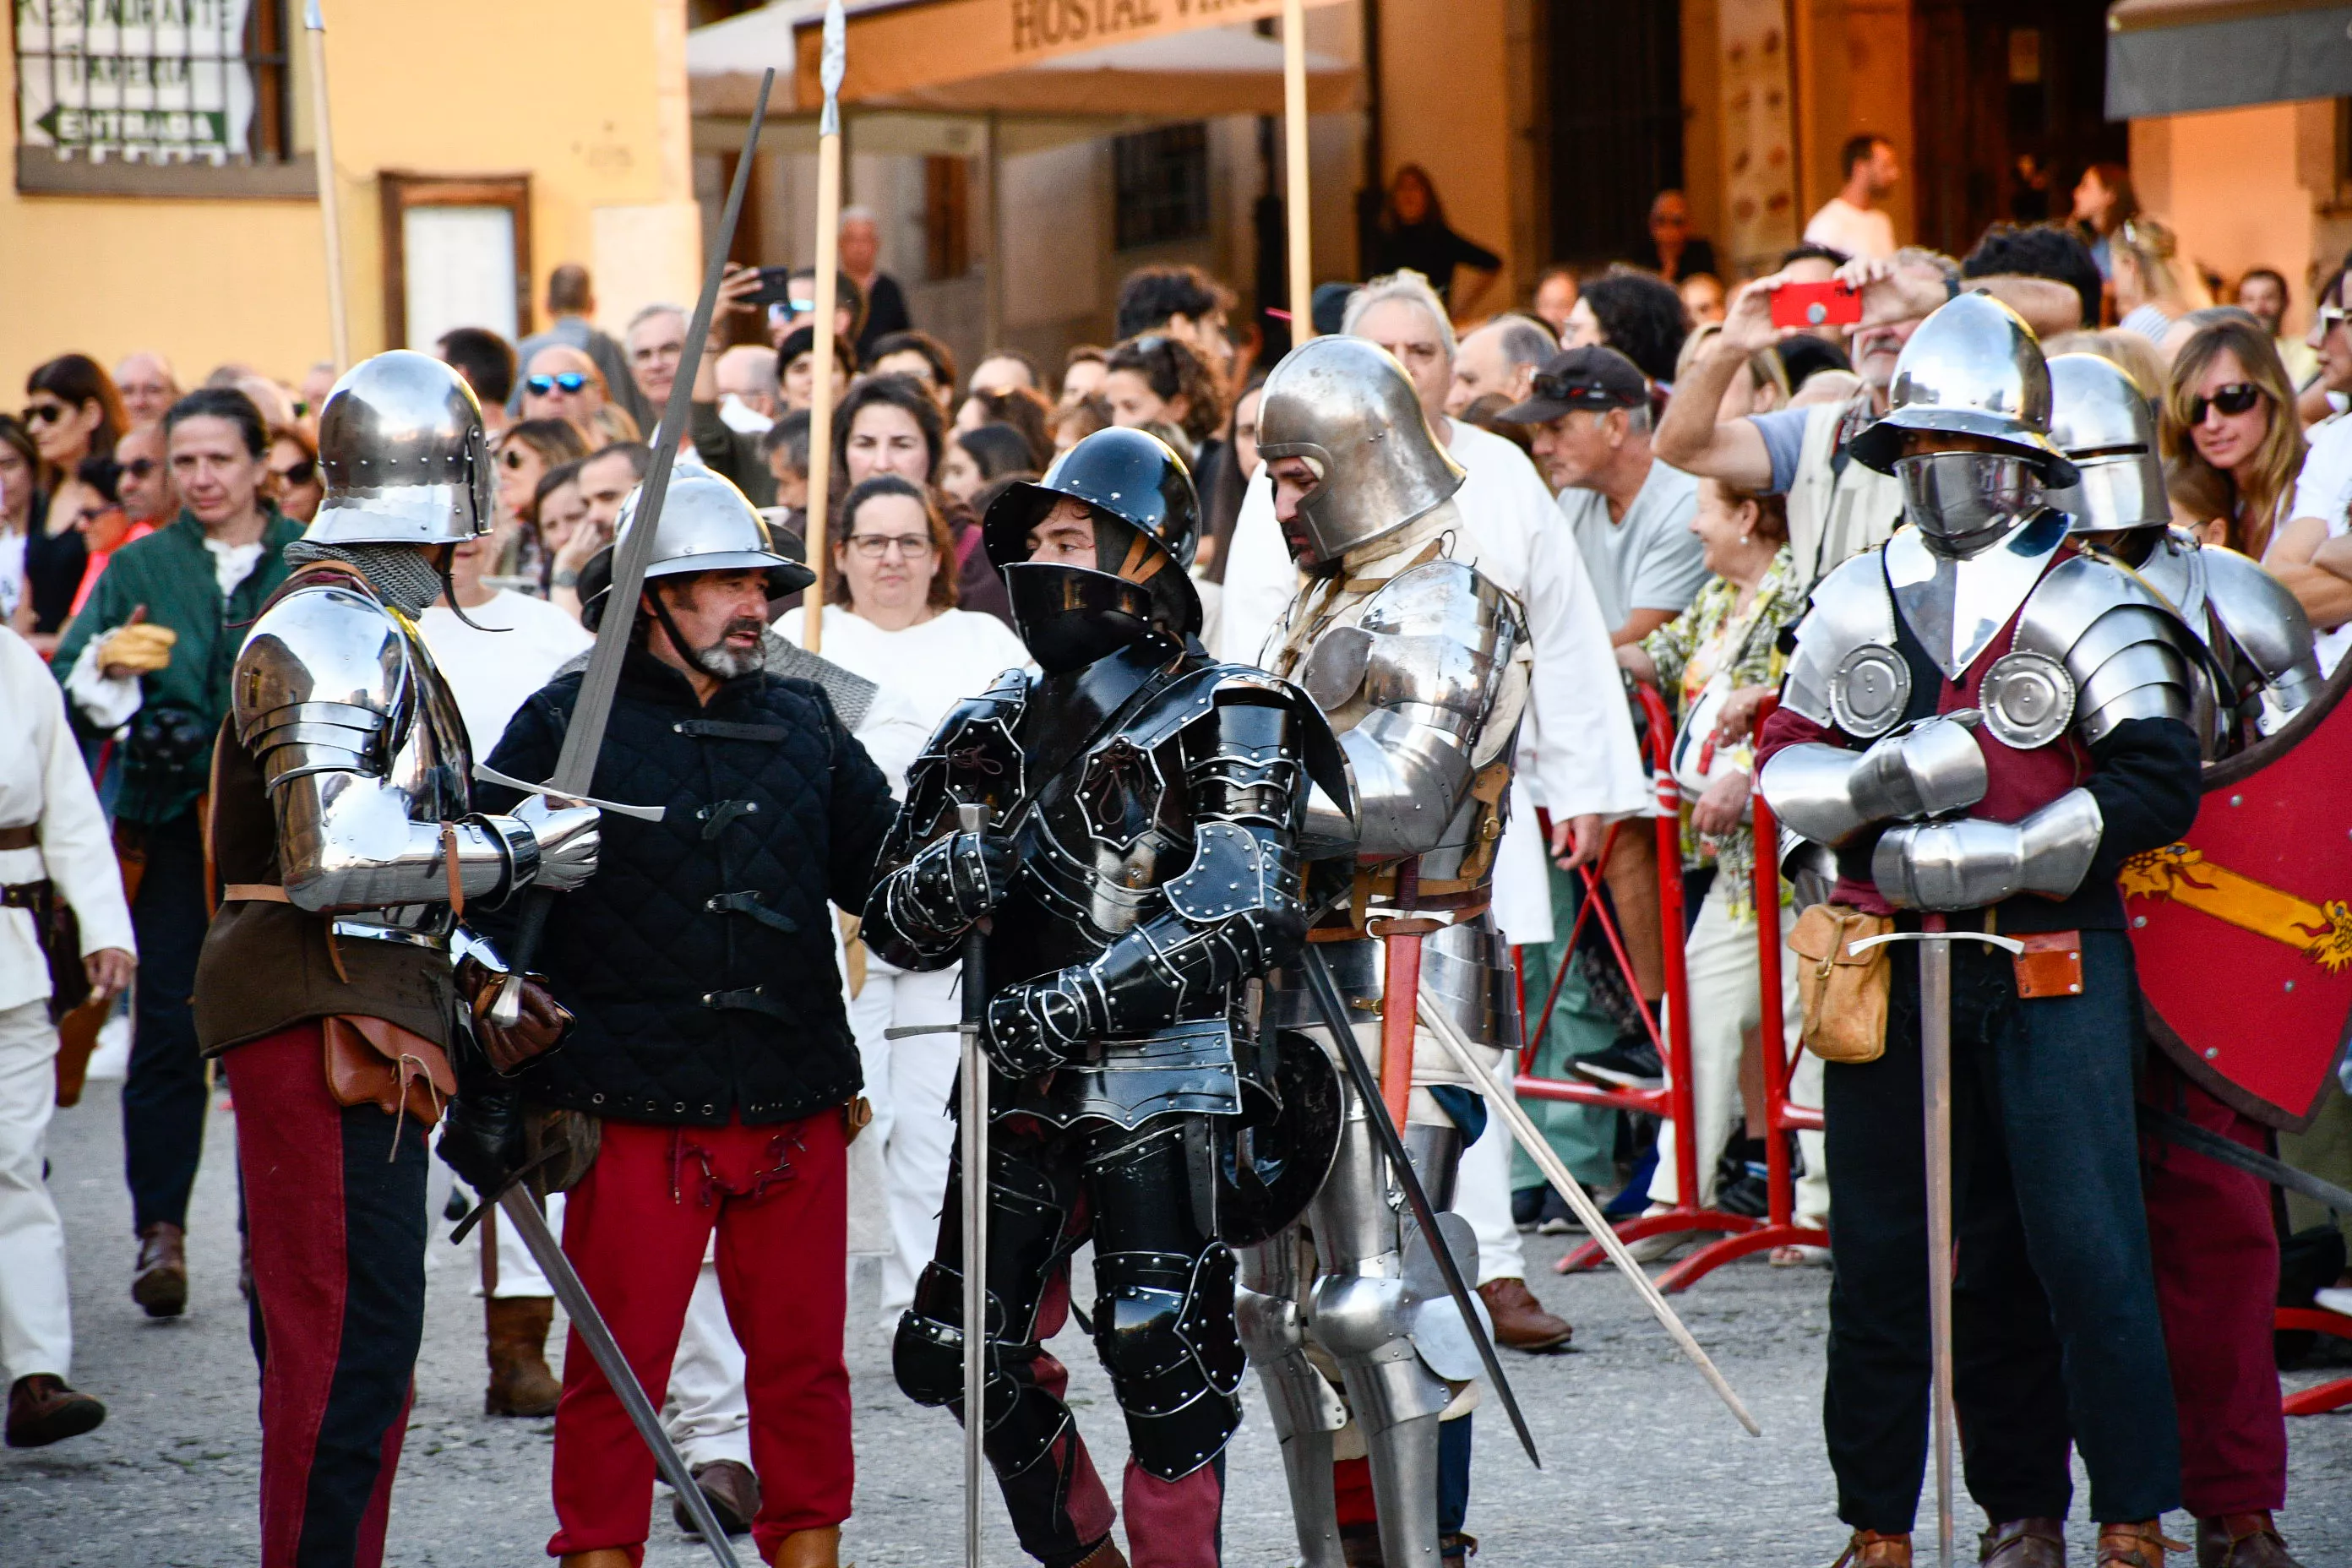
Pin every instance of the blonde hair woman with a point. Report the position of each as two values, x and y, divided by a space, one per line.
2153 288
2230 432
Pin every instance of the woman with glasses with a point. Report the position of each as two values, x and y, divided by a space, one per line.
2153 289
294 482
42 556
2230 433
73 412
890 425
892 618
526 453
90 504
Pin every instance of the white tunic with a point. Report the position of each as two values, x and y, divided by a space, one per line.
43 782
491 671
1517 538
928 667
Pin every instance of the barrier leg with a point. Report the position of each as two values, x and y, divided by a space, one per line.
2320 1398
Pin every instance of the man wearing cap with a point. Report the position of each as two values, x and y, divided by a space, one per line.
710 1043
1981 724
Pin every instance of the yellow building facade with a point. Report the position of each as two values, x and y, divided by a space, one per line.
569 115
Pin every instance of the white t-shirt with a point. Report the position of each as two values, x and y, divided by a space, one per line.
493 671
934 664
1859 232
2324 490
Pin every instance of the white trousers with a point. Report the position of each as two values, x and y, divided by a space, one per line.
35 1320
707 1413
1482 1195
1726 1003
909 1082
519 1272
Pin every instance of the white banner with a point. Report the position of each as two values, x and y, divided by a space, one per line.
157 79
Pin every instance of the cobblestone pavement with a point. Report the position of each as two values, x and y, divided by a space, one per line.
1642 1468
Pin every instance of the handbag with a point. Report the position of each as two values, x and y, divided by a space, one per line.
373 1061
1843 993
1695 759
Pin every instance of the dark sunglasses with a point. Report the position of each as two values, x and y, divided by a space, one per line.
569 381
513 459
1573 390
2235 398
299 474
139 467
46 413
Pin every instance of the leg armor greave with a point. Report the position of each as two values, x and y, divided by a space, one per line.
1270 1309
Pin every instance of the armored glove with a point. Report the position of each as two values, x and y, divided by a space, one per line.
1036 1026
1827 794
1970 864
953 882
568 837
481 1137
141 647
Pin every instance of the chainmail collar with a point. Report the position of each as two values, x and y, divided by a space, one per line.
399 574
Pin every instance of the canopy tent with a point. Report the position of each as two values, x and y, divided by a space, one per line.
2175 56
952 56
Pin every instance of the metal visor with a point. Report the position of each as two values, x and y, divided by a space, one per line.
1072 615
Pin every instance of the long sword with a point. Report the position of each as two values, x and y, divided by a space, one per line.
1326 993
575 764
1934 939
1523 1128
531 1224
973 1111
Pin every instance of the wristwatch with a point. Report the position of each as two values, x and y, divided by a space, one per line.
565 577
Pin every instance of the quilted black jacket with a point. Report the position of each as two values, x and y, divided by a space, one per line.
699 960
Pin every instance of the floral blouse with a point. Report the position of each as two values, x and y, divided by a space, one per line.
1710 638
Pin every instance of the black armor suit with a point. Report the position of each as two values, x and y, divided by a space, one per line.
1143 866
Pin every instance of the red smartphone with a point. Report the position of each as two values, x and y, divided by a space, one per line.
1815 305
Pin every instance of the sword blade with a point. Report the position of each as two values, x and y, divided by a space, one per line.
589 1324
973 1085
1936 1096
1326 993
1596 1224
2180 1129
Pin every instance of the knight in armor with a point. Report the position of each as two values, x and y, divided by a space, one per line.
710 1051
1981 721
347 847
1140 870
2215 1243
1421 665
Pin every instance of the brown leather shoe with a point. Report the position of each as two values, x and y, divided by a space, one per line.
159 1282
602 1557
1869 1549
521 1383
1520 1321
2024 1543
734 1494
42 1410
1107 1555
805 1548
2140 1544
2242 1540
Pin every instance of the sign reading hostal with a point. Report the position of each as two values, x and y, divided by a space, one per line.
909 45
163 79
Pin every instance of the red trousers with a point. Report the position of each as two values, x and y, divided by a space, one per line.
337 1234
2217 1272
634 1228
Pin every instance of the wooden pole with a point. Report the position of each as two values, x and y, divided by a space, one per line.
992 301
1294 177
828 264
322 140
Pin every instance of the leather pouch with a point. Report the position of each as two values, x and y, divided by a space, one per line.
2051 966
371 1061
1843 993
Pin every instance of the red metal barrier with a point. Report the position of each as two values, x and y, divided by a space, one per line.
2321 1398
1738 1236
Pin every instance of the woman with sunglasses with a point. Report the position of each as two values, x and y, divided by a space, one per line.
2230 432
294 482
42 556
526 452
73 412
90 504
892 618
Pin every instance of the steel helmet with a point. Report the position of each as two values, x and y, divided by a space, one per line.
1347 407
706 525
2101 419
402 455
1973 368
1147 526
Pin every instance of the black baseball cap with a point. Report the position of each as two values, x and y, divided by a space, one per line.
1593 377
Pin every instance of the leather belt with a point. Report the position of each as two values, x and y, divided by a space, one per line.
254 893
754 999
25 896
26 836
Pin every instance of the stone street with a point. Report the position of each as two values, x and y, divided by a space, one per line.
1642 1467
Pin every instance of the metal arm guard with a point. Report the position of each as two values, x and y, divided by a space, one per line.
332 697
2265 626
2124 650
1439 658
949 883
1971 864
1828 795
1232 913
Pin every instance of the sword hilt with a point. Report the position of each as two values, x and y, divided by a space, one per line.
1988 938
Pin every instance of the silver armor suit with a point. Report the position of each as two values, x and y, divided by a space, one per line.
1422 665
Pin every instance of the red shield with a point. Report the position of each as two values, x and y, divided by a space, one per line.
2243 931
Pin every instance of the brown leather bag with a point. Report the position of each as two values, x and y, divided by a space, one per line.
1843 993
371 1061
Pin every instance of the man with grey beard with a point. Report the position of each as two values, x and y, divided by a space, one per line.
710 1038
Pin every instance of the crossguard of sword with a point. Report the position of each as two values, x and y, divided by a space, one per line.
1986 937
489 774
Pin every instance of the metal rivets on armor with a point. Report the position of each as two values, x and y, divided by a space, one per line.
2138 922
2028 698
2237 800
2290 984
1869 691
2213 1051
